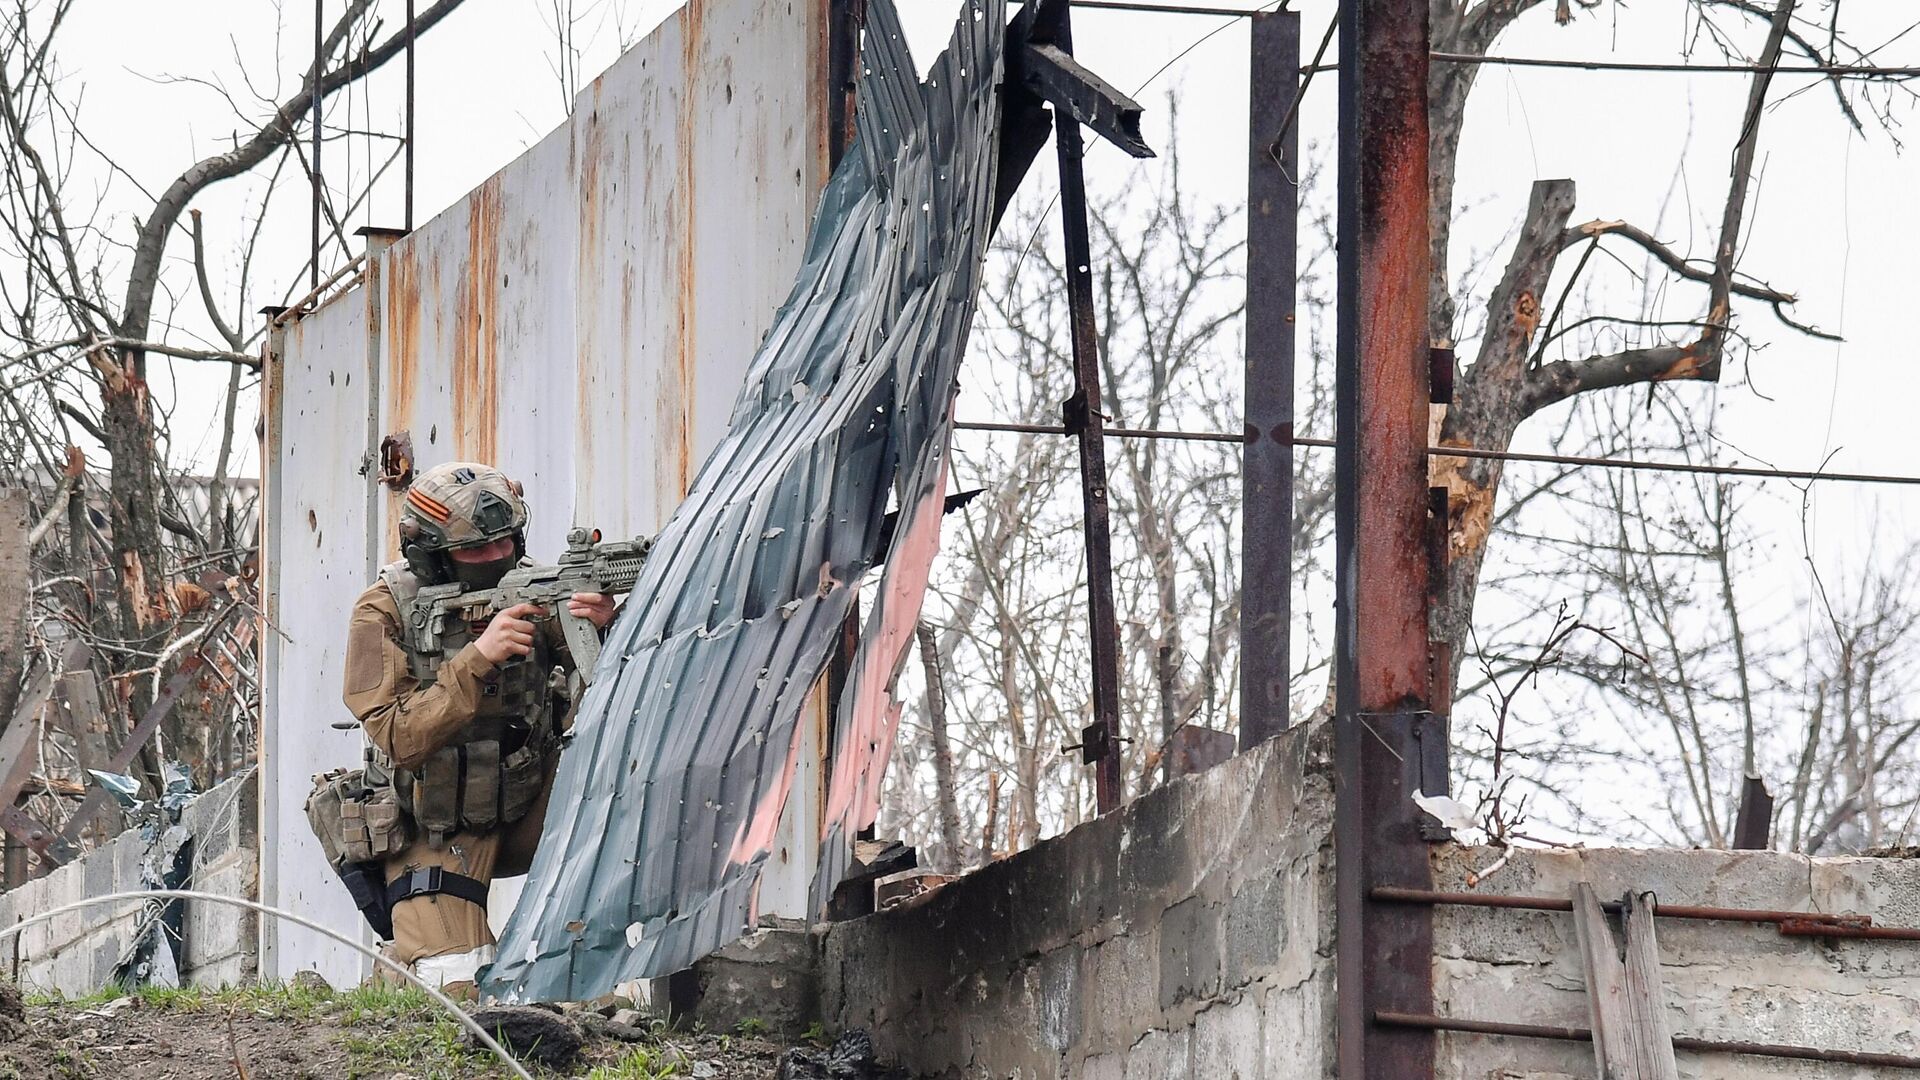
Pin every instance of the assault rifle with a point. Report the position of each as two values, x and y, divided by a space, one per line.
441 616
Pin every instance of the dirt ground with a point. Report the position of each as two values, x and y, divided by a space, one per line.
297 1032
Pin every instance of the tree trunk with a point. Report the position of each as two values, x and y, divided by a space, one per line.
953 853
1490 401
144 609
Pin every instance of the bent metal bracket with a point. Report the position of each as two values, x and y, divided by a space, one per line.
685 747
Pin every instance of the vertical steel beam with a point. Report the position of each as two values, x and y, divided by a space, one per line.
1381 665
1266 477
1084 418
844 21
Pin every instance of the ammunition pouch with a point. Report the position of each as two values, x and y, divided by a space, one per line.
470 786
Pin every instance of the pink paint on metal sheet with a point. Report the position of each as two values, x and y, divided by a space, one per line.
853 797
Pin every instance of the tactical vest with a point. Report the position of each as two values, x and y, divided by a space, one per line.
494 770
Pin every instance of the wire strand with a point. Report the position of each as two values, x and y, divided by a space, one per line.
1753 471
143 895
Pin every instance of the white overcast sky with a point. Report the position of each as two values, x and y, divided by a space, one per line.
1834 216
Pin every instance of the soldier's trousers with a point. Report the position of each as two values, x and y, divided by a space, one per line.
443 938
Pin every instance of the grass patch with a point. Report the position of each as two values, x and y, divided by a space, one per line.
430 1051
110 992
643 1063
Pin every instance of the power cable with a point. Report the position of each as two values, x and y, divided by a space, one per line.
1753 471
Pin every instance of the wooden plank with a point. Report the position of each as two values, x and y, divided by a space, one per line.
83 718
19 750
17 742
1646 997
1624 999
16 592
97 798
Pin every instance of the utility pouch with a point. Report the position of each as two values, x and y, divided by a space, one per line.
355 823
358 827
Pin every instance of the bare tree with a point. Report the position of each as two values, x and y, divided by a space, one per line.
1697 711
151 567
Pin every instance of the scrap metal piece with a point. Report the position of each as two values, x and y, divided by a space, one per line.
686 744
1055 75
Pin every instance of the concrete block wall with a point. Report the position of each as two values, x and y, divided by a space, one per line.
75 953
1189 934
1724 981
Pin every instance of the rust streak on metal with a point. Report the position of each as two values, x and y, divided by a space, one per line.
585 159
476 358
400 320
402 317
680 401
1382 672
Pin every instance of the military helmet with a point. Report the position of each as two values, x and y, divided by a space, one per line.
461 504
455 505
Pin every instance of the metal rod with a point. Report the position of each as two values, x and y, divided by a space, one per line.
1172 9
1394 895
1757 471
318 71
1666 466
1382 670
1266 468
1429 1022
1860 71
1110 432
1866 71
407 215
293 310
1084 419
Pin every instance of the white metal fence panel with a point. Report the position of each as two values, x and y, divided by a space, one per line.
584 320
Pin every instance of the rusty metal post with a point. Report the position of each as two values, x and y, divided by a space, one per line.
1753 827
1381 665
1266 471
844 20
1084 419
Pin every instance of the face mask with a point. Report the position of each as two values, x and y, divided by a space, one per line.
482 575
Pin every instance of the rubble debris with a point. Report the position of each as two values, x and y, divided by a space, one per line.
531 1033
311 980
849 1058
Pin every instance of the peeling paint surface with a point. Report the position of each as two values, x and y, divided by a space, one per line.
684 746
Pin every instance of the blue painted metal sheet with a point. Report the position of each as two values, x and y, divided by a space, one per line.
668 796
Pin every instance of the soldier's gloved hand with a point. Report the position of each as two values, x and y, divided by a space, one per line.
596 608
508 635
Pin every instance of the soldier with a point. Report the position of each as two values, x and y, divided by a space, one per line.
465 742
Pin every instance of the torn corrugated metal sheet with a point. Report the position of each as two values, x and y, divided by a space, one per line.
667 799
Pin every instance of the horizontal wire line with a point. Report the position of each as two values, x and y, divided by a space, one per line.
1755 471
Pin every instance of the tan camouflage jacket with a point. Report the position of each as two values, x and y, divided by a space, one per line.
407 721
